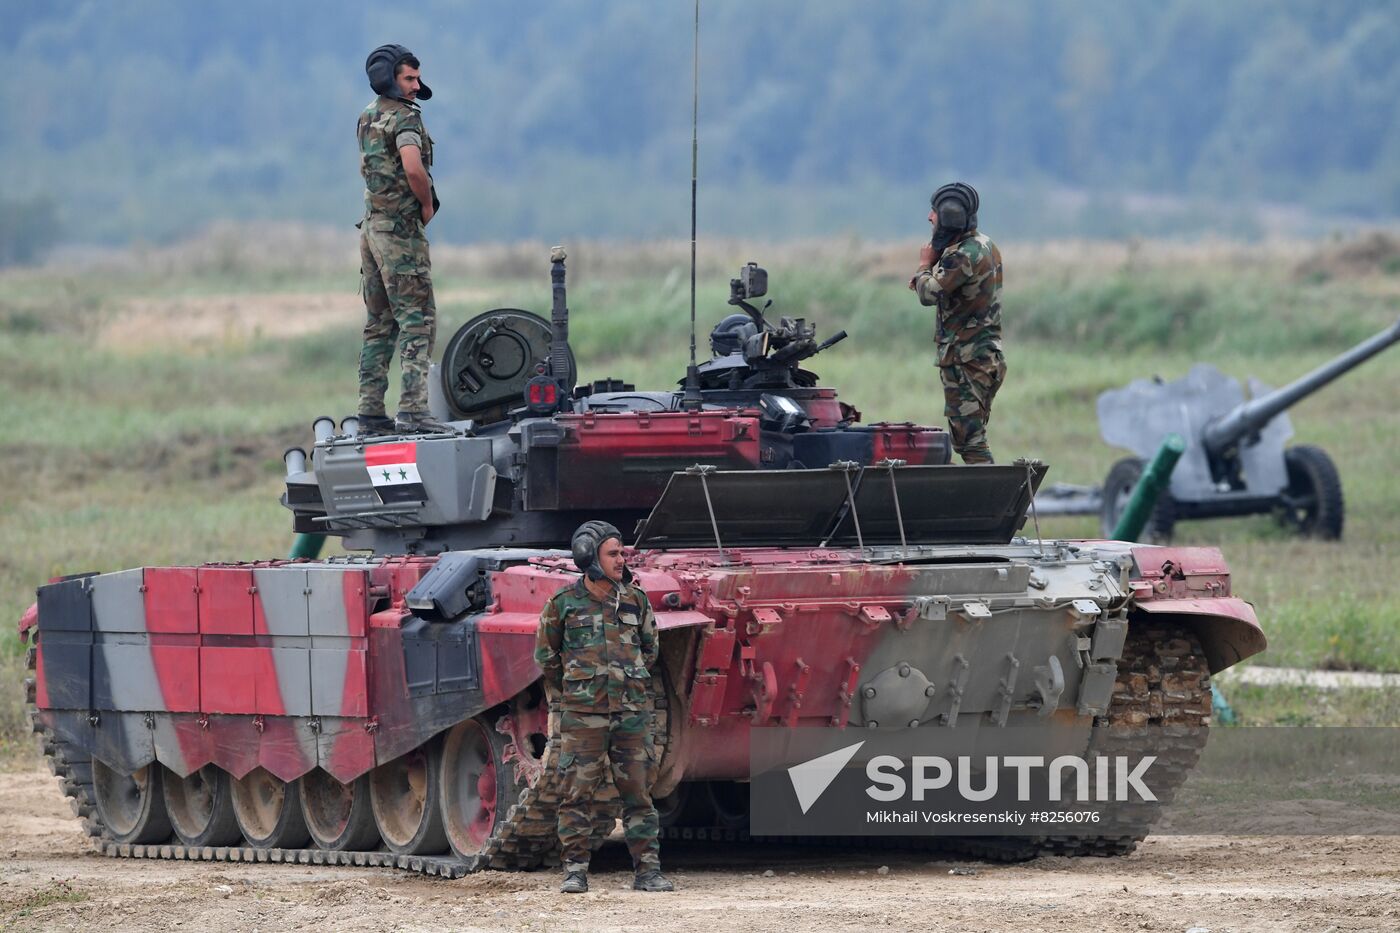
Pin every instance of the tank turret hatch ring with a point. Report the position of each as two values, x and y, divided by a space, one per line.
489 361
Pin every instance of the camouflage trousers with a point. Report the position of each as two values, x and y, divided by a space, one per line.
399 311
588 743
968 389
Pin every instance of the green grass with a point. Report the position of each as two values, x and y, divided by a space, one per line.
170 454
1296 705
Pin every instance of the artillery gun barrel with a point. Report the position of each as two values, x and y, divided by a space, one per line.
1245 419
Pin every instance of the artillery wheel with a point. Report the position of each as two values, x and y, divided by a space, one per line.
404 796
1118 488
1312 502
338 816
201 807
131 806
477 785
269 811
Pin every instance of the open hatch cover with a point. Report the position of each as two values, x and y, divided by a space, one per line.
984 504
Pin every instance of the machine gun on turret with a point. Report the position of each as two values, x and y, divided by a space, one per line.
750 351
1235 461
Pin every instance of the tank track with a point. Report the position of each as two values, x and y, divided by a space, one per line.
1162 698
526 838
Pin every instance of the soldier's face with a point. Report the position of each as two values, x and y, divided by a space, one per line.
610 559
407 79
933 216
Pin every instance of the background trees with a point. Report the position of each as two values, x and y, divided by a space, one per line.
150 118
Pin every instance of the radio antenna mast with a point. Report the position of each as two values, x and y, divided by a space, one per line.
691 400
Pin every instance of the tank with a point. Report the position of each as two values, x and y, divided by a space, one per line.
807 571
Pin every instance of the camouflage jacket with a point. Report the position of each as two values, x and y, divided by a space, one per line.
965 284
597 654
384 126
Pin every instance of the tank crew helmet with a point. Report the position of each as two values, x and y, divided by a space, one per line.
382 65
956 204
587 541
729 334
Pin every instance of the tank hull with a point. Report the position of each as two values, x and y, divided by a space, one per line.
295 667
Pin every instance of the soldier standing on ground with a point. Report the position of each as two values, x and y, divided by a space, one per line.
396 154
960 272
596 645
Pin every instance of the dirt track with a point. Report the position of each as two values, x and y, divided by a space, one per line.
49 880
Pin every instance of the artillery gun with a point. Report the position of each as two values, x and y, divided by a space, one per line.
807 572
1235 461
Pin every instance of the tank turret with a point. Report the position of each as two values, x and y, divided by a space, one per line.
538 454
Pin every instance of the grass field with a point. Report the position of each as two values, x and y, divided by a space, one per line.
150 395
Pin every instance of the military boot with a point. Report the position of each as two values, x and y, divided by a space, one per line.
651 879
418 422
375 425
575 883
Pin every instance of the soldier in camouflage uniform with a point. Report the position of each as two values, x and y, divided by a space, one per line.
396 154
960 272
596 645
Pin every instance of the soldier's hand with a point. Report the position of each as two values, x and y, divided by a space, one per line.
926 256
428 213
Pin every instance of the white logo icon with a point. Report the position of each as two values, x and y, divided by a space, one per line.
811 778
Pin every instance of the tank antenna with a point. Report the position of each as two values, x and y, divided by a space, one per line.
692 400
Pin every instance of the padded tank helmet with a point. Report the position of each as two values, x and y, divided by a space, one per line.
381 67
956 204
585 544
729 334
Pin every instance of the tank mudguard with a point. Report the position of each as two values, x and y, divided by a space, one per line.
1193 584
1227 626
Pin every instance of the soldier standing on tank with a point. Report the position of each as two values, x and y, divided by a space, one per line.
960 272
596 645
396 155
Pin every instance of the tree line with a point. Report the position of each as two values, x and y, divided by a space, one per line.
151 118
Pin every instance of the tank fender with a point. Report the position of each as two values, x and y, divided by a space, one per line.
28 620
1226 626
507 642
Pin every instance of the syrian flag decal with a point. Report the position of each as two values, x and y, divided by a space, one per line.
393 469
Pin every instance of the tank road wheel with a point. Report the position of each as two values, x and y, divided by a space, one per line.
685 806
131 806
1118 488
729 802
1312 502
201 807
269 811
477 784
404 798
338 816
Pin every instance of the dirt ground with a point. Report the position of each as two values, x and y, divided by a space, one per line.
50 880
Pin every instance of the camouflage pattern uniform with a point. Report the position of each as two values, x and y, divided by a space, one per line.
394 265
965 284
596 656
